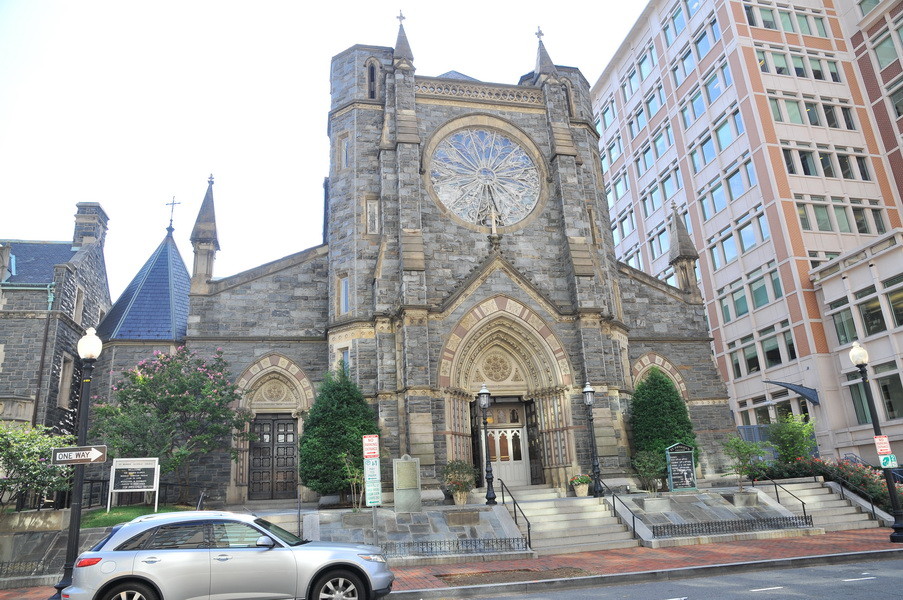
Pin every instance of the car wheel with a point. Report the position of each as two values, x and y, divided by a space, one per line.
131 591
338 585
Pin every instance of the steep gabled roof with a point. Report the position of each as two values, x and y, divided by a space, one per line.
34 261
154 306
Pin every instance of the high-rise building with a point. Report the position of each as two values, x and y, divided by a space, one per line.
772 127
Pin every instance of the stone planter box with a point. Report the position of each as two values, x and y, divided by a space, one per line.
35 520
742 498
655 505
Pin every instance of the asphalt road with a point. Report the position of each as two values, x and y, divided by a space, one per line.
869 580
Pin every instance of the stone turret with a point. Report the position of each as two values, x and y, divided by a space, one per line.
205 243
682 256
90 224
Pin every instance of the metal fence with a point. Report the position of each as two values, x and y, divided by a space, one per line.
22 568
95 494
735 526
465 546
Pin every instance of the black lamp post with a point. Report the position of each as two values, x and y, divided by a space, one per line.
484 399
89 347
860 358
589 397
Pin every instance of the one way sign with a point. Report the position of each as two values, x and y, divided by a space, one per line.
79 455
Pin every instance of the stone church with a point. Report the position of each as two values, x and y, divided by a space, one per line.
467 242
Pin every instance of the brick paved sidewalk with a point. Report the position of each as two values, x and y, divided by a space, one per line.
629 560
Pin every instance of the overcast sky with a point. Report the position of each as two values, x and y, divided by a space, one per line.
131 103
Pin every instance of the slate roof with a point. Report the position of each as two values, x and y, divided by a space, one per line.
457 75
154 306
34 261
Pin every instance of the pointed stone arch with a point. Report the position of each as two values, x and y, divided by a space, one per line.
651 360
510 347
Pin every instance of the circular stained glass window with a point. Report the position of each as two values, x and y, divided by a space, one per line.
484 177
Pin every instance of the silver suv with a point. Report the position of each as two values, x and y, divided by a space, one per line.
223 556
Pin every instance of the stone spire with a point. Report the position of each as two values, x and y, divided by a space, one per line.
544 64
205 243
682 256
402 47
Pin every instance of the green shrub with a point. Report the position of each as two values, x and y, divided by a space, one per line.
658 415
793 438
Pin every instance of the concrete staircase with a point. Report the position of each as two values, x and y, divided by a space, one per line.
829 511
567 525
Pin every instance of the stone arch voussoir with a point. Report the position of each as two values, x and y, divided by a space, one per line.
653 360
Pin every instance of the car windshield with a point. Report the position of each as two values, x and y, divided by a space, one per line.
289 538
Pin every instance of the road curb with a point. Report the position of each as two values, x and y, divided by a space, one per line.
532 587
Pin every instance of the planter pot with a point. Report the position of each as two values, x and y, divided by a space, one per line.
743 498
461 497
581 489
655 505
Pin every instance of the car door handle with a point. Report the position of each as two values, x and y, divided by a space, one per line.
151 560
223 557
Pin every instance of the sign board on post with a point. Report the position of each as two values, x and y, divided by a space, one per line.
134 475
888 461
372 482
882 444
681 467
78 455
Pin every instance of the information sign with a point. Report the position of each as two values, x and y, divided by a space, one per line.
371 446
888 461
373 488
134 475
681 467
78 455
882 444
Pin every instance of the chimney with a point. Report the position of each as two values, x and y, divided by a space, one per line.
90 224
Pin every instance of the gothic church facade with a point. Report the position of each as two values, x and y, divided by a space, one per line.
467 242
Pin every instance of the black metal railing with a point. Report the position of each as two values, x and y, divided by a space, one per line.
97 490
845 486
21 568
777 494
517 509
614 500
445 547
735 526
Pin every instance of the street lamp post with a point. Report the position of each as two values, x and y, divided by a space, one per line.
589 397
484 399
860 358
89 347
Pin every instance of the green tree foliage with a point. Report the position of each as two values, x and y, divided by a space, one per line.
333 429
25 462
176 407
793 438
658 415
745 457
650 468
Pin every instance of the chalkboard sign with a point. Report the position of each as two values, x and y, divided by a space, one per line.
681 468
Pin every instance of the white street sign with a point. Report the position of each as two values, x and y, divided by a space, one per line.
882 444
372 484
371 446
888 461
78 455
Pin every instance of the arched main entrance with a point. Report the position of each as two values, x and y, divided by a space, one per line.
511 349
277 392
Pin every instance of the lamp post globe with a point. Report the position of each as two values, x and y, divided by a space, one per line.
859 356
589 398
89 348
484 398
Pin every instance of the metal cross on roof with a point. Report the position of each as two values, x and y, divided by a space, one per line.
539 33
400 17
172 210
210 180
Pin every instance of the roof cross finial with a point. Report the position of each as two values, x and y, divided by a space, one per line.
400 17
210 179
539 33
172 210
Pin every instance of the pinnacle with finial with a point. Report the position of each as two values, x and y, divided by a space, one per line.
210 179
539 33
400 16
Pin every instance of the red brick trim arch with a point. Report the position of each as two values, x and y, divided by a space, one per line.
652 359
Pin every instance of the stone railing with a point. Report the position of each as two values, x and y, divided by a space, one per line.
441 88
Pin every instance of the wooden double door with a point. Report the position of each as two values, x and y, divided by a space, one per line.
273 472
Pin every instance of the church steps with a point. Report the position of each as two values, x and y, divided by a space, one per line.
571 548
828 509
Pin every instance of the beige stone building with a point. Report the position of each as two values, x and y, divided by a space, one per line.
762 122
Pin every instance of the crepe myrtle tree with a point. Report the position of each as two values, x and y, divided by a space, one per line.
25 462
330 449
176 407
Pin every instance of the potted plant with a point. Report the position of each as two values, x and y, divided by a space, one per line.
744 457
459 478
580 483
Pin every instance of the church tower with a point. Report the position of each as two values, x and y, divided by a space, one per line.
469 243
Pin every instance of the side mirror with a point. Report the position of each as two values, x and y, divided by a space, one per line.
265 541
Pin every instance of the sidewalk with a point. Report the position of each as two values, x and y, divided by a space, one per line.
632 563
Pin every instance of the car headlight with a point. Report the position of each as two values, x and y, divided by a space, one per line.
373 557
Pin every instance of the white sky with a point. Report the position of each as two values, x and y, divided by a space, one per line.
129 103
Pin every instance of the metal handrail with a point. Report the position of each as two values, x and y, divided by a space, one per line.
843 482
517 507
777 494
630 510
